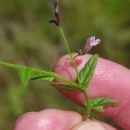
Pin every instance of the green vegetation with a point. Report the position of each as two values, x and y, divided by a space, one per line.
26 38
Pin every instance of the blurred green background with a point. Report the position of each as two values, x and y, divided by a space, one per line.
26 38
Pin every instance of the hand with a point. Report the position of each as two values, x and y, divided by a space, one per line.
110 80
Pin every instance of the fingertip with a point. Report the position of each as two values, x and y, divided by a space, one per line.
93 125
47 120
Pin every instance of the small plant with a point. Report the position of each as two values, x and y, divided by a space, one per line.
83 77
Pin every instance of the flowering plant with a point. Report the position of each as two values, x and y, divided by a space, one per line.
83 77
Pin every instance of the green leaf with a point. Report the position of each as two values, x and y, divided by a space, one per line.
37 75
65 86
97 104
28 73
25 75
86 73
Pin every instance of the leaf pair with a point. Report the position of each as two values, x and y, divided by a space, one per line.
28 73
85 76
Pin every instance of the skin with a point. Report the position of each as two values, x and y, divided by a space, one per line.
110 80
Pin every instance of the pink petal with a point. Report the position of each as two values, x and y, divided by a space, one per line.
90 42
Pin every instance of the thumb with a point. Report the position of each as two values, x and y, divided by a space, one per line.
93 125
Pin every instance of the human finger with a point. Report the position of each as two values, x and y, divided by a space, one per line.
110 80
49 119
53 119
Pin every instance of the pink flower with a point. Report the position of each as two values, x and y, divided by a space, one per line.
91 42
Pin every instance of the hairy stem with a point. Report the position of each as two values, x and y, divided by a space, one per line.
70 54
87 106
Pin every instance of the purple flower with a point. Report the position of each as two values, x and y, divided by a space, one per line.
91 42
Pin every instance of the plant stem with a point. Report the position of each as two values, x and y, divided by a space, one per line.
70 54
59 77
87 106
67 81
11 65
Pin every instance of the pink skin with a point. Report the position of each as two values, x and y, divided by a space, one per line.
110 80
50 119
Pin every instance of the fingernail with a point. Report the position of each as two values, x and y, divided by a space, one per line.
89 126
